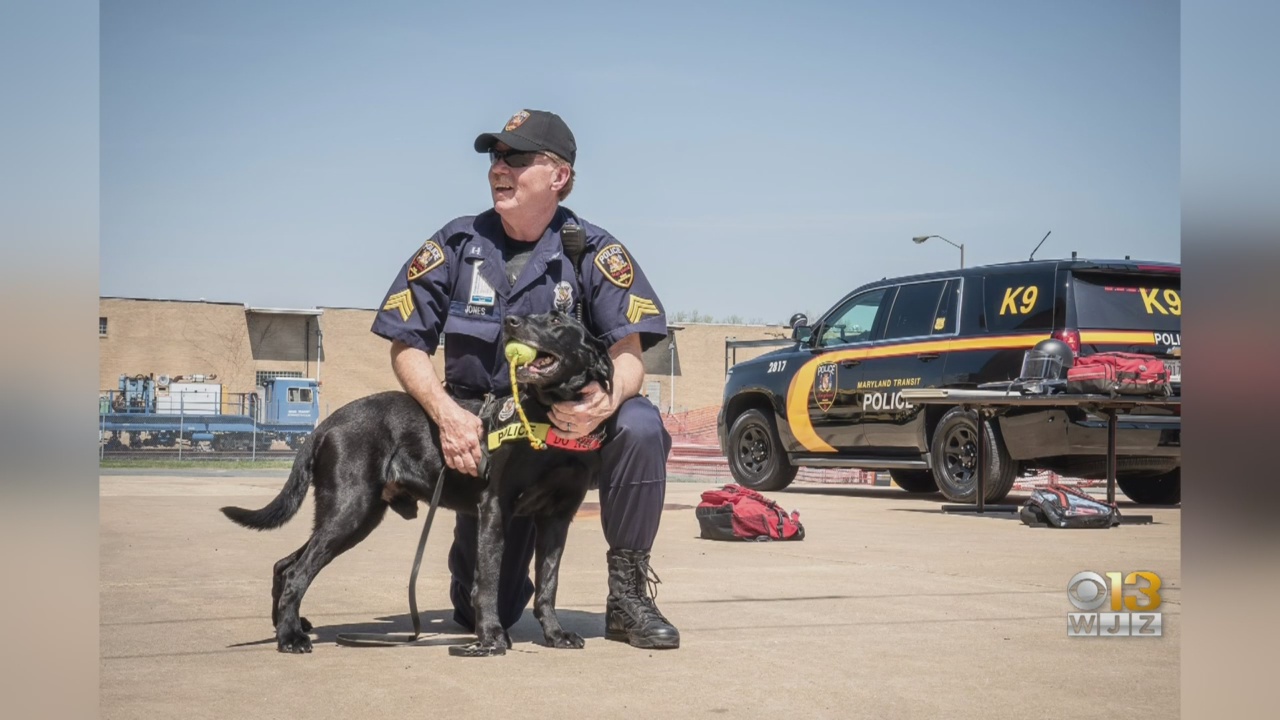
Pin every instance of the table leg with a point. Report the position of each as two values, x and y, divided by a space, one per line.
1112 422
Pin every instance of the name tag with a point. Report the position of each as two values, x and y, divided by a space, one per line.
481 291
585 443
546 433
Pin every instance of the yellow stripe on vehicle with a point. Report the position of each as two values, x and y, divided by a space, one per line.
801 387
798 406
1118 337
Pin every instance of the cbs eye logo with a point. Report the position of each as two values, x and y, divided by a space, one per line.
1126 615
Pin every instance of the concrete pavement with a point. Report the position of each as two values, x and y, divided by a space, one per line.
887 609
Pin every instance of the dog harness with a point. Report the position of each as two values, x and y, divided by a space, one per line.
544 433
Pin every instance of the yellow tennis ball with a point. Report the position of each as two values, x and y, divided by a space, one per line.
520 354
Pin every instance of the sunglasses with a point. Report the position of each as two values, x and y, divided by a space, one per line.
513 158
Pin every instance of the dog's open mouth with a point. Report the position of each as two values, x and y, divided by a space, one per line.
544 365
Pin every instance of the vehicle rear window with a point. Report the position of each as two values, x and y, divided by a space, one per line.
1128 302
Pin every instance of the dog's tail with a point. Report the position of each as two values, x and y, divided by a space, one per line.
286 504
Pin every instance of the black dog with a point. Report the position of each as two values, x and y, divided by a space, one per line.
384 451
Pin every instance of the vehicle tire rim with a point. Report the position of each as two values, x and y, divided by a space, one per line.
960 453
753 449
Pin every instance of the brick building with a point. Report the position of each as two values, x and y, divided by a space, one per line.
241 345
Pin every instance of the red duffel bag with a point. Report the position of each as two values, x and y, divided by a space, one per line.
737 513
1119 373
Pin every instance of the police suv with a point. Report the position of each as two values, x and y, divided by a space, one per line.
833 399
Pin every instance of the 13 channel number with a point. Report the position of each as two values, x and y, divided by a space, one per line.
776 366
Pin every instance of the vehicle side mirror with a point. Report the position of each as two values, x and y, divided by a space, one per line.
800 330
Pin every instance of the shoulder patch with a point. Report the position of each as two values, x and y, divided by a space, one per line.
616 265
638 307
429 258
401 301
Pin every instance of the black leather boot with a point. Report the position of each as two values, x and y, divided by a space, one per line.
630 614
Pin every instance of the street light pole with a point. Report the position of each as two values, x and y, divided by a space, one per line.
921 238
672 347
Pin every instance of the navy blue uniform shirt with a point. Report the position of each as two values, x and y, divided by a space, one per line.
456 283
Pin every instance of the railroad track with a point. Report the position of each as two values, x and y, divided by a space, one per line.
196 455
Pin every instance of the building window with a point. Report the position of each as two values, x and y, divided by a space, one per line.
654 393
102 327
266 376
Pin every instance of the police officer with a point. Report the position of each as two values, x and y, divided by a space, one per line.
510 260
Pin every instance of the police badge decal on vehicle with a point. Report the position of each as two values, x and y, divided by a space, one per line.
824 385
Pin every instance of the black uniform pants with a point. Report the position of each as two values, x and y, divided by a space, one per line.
633 486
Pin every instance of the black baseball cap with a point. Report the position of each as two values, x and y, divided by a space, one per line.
533 130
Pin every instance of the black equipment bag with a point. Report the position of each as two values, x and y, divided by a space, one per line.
1067 507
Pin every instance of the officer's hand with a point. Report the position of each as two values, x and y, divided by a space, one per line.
460 438
577 418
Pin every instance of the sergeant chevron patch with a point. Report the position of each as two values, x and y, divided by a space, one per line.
638 307
402 301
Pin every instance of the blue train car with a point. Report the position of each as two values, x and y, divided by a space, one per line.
149 411
292 408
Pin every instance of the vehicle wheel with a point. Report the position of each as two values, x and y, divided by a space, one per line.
1163 489
954 453
756 458
915 481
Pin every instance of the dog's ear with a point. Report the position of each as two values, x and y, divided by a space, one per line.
602 371
599 365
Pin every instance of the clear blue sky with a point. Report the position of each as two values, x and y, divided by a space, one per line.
758 158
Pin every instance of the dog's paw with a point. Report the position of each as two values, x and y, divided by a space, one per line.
305 624
478 649
489 642
293 642
565 639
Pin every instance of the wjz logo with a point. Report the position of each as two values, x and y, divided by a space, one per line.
1107 610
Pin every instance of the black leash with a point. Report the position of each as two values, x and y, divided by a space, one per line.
393 639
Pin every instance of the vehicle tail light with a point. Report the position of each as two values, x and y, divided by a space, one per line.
1071 337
